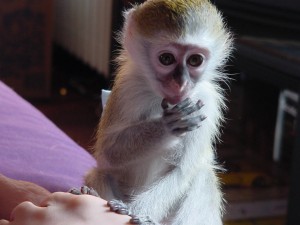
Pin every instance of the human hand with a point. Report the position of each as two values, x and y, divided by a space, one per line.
13 192
64 208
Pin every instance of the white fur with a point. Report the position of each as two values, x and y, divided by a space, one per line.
170 178
190 193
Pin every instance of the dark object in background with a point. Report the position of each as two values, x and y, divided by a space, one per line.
25 46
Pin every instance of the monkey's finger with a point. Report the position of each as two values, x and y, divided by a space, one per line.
182 131
94 193
177 109
194 108
75 191
171 117
118 206
196 119
85 190
142 220
89 191
185 123
185 103
186 108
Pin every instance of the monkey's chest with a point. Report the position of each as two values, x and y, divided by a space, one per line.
135 179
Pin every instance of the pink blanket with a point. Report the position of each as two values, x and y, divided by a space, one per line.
32 148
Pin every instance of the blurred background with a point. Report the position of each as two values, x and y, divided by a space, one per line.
58 55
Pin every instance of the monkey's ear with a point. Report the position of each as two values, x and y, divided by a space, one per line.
130 36
128 13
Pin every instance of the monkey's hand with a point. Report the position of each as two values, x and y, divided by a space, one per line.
176 118
84 190
142 220
120 207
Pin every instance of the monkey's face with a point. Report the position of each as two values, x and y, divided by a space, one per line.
177 68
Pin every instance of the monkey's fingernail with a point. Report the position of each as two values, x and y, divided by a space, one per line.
110 203
84 190
123 211
135 221
94 193
75 191
115 208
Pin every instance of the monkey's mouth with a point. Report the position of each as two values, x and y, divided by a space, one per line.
175 99
175 96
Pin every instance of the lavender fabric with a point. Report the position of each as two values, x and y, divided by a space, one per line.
32 148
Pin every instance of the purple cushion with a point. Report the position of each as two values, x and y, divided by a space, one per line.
32 148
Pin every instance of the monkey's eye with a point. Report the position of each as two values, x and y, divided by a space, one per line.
166 59
195 60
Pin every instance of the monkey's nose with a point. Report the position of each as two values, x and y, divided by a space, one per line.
178 87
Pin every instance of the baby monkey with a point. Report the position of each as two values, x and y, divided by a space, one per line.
155 141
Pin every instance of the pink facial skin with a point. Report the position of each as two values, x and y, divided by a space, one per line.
177 68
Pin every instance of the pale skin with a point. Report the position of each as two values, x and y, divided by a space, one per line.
55 209
13 192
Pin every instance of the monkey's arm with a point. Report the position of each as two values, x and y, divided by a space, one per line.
124 144
128 143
